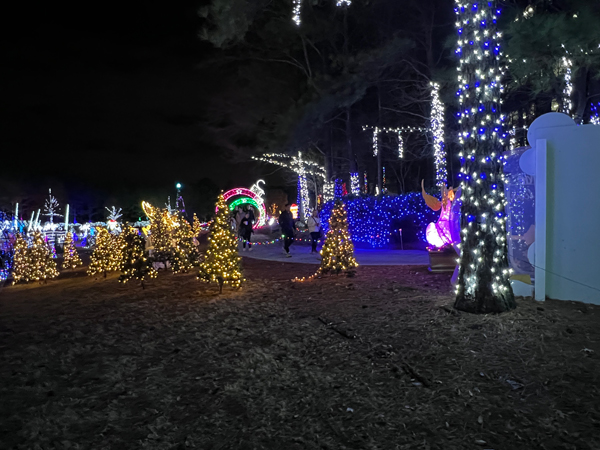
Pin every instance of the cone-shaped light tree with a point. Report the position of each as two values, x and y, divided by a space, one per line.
338 251
107 255
483 281
162 227
136 264
20 267
71 258
222 262
185 253
41 266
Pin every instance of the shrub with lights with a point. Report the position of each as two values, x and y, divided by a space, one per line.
20 266
483 280
222 263
71 258
136 263
370 219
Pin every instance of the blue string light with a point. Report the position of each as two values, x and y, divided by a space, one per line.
371 219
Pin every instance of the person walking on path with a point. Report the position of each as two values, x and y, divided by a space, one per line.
246 231
286 222
314 228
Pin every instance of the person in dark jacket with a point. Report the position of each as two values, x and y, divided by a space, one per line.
246 231
286 222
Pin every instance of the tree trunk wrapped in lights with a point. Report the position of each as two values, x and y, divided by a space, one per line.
222 263
107 254
338 251
40 265
483 281
136 264
71 258
20 267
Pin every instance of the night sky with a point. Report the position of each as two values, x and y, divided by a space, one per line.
112 96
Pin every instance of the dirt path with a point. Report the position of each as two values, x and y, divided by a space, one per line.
378 361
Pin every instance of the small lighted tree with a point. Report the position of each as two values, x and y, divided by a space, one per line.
20 267
222 263
185 253
71 258
338 251
136 264
161 230
196 227
41 265
106 256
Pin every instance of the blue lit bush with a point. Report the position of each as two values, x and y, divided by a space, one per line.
372 220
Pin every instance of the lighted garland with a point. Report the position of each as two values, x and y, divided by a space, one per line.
483 280
437 130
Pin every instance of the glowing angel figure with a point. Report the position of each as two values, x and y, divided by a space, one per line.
446 231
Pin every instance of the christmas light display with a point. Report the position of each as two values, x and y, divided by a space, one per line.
594 117
162 228
397 131
248 196
222 262
34 262
338 251
344 2
483 279
185 252
20 265
71 258
296 17
302 168
371 219
383 184
107 253
437 130
51 207
446 231
354 183
179 203
365 181
328 190
136 264
567 105
196 226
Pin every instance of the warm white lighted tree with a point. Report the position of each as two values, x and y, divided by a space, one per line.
483 280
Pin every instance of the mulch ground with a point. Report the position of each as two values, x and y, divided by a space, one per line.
378 361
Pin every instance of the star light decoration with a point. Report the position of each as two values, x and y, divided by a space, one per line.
437 130
483 282
300 166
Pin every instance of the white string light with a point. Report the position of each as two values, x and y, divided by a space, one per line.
296 12
567 105
397 131
437 129
354 183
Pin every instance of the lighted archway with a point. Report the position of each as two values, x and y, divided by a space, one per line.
246 196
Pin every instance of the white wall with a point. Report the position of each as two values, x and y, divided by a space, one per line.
571 263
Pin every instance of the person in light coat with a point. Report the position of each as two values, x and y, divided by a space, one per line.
314 228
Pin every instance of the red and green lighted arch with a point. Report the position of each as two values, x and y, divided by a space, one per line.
247 197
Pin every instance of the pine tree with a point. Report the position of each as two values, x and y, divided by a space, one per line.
185 253
483 280
40 262
222 262
196 226
161 230
20 267
136 264
106 256
338 251
70 256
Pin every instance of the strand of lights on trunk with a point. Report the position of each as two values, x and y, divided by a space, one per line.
594 118
366 182
479 77
437 130
567 105
296 12
354 183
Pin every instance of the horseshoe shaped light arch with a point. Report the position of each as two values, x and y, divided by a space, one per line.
241 196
